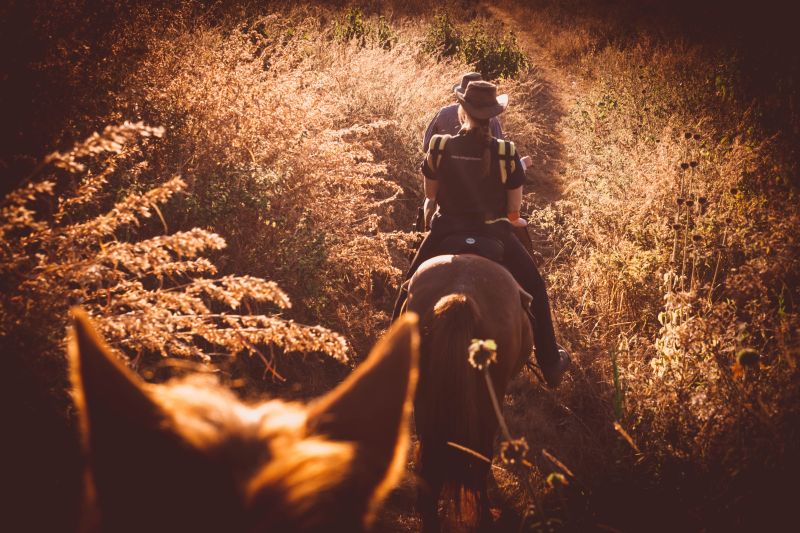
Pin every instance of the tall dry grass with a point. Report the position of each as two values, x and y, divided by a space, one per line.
674 271
150 294
297 147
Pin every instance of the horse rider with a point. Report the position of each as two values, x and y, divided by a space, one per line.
475 180
446 120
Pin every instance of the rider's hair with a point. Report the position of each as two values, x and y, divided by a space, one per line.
480 128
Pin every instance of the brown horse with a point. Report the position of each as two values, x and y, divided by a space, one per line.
188 456
459 298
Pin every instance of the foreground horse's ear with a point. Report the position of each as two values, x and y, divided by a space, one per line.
109 397
372 409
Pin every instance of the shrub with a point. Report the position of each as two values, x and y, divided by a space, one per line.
494 57
443 39
355 27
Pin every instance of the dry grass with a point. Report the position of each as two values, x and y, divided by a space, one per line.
295 142
661 276
300 150
151 295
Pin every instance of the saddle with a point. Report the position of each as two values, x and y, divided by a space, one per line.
472 243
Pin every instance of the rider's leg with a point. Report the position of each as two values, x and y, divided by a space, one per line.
524 270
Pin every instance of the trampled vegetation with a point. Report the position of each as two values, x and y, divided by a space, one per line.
252 155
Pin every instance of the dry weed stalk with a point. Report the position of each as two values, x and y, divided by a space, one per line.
148 295
691 285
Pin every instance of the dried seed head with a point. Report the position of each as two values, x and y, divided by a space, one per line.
693 164
728 220
513 452
697 237
747 357
676 227
696 136
703 200
557 480
684 166
680 200
689 203
482 353
687 135
734 190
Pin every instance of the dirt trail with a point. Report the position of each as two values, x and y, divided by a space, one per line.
555 94
549 100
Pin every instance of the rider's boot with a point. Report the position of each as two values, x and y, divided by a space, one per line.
555 369
554 362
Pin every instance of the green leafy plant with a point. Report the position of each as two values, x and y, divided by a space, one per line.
494 57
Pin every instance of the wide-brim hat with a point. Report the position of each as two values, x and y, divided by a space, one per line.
465 80
480 100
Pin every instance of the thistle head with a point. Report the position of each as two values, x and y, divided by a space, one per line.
556 480
513 452
482 353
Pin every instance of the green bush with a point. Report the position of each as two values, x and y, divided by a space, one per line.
491 56
443 39
355 26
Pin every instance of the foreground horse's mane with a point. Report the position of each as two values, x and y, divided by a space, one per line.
190 456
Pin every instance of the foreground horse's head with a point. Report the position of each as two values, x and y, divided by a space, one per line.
188 456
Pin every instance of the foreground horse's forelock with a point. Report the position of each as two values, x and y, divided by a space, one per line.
188 456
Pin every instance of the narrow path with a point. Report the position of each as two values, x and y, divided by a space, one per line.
554 95
547 96
547 99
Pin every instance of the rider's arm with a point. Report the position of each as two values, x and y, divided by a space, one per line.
431 188
430 169
430 132
514 204
514 194
514 201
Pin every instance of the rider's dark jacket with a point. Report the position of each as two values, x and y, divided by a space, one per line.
465 191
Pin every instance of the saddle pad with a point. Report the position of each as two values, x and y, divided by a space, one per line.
470 243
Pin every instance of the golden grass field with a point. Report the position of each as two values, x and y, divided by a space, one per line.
248 203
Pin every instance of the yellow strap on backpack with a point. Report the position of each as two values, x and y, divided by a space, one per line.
507 159
436 151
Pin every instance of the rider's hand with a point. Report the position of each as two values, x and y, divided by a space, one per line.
527 162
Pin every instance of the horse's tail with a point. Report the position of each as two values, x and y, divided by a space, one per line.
452 400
